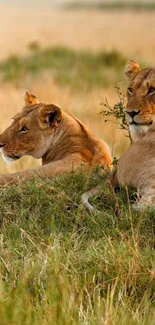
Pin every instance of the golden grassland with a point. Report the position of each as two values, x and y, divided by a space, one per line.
132 33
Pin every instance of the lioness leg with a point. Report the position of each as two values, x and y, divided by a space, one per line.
54 168
93 192
87 195
145 202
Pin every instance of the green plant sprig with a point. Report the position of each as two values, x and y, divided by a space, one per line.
118 111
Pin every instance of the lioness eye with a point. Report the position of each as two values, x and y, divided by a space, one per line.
130 90
23 129
151 90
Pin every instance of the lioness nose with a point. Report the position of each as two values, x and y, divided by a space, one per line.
2 145
133 113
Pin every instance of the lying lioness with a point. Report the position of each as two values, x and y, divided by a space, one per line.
62 141
140 115
136 165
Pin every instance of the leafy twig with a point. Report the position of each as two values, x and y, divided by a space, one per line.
118 111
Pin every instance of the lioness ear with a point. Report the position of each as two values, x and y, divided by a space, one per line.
131 69
30 99
50 115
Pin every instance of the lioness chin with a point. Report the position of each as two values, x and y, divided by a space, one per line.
62 141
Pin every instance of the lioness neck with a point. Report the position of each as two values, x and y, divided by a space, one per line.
137 132
71 137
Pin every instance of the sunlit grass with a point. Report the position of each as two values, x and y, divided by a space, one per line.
61 265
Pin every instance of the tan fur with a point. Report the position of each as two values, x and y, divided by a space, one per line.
62 141
140 99
136 167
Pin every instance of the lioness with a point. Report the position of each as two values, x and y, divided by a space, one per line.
140 115
61 140
140 108
136 165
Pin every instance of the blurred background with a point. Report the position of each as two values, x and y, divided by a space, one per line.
72 53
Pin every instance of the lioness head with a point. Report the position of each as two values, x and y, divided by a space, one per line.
32 130
140 109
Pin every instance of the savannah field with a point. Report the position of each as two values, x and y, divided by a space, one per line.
59 265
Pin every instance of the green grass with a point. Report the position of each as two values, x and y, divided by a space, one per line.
116 5
79 69
60 265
